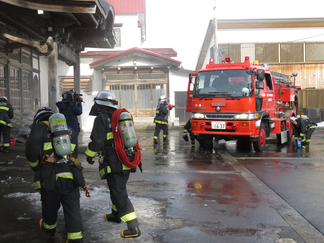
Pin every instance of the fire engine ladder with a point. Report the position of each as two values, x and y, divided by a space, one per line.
281 78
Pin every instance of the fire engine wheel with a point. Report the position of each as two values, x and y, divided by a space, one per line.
258 145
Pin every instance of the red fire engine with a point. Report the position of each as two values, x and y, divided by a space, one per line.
243 101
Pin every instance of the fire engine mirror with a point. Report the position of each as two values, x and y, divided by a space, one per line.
261 74
259 84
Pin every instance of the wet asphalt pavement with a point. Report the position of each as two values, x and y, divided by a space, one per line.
227 194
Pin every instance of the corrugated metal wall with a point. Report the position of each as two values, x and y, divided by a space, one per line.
309 75
310 98
311 103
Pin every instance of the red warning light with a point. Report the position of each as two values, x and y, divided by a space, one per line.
228 60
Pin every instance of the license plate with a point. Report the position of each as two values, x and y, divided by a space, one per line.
218 125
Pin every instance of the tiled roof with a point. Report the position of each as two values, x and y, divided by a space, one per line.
168 52
135 49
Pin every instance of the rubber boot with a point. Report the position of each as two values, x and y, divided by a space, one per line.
112 218
131 233
6 150
49 232
155 141
166 140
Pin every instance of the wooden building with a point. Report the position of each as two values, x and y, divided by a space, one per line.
57 30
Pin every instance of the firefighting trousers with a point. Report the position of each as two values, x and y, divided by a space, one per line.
67 194
192 137
158 128
5 132
121 205
309 133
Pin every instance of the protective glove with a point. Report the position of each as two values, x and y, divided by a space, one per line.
90 161
170 106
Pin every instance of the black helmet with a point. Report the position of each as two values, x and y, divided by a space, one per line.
106 98
43 114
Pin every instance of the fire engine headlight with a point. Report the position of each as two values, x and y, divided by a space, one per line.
247 116
198 116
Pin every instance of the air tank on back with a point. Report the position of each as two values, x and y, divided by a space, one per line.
127 129
61 138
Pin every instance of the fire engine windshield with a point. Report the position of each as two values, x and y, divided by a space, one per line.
223 83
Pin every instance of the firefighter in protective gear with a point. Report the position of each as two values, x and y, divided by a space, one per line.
57 181
187 131
6 114
117 174
303 129
160 120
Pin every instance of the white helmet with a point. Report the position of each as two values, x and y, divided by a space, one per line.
245 91
4 97
163 99
106 98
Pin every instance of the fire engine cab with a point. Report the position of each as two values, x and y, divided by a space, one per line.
242 101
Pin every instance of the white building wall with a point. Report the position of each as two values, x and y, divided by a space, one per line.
130 32
178 82
62 70
97 81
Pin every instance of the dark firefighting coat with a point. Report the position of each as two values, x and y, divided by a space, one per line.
304 129
6 114
161 122
161 113
117 174
58 182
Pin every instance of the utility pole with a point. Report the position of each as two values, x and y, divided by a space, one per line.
216 51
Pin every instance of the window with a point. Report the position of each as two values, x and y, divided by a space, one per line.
267 53
14 78
26 80
67 84
223 83
314 52
291 52
3 83
118 37
268 81
230 50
